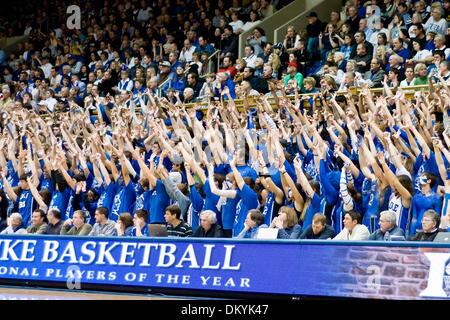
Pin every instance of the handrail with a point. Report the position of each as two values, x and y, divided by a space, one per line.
355 91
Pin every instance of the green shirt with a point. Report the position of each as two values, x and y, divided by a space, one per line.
83 231
299 77
36 229
420 81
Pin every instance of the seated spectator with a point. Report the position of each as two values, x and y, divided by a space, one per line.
245 89
204 46
254 19
253 222
224 81
250 56
419 53
310 85
178 82
399 51
193 82
444 70
292 73
80 227
236 23
440 43
54 222
207 91
257 41
319 229
186 55
375 75
395 64
175 226
353 229
437 23
15 225
430 227
286 223
227 66
388 227
103 226
420 72
124 226
362 58
38 224
409 77
208 227
140 228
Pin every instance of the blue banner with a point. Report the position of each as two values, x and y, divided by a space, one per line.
311 268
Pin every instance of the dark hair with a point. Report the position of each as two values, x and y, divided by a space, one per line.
174 209
103 210
141 213
355 215
41 212
406 182
261 30
430 176
55 212
257 216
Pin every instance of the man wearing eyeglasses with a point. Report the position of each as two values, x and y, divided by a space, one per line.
388 227
430 227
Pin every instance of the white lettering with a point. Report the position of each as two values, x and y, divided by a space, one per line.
189 255
69 252
50 247
125 254
166 253
27 249
227 262
207 261
436 275
146 256
87 252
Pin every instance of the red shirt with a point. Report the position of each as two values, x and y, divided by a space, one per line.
231 70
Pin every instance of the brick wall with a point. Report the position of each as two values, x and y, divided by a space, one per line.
386 272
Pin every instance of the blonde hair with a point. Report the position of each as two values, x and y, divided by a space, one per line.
276 62
310 80
419 67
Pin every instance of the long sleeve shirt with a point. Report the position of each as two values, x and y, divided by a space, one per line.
103 230
359 232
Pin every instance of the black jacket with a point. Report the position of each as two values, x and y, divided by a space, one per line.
215 232
328 232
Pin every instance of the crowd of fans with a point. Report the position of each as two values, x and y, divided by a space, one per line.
103 133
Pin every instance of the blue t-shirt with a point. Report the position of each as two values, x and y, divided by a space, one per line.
60 201
123 201
229 211
107 196
249 200
25 203
159 200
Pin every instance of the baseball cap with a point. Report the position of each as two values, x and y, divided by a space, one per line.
312 14
278 45
165 64
293 64
72 56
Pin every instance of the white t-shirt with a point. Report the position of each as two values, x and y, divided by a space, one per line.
436 26
422 54
236 25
